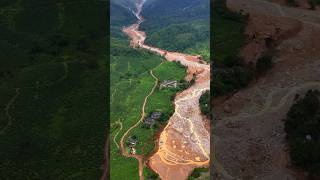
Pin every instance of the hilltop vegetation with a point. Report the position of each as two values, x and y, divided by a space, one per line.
229 70
302 126
53 73
178 25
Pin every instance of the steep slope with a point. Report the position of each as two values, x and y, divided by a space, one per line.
52 89
172 25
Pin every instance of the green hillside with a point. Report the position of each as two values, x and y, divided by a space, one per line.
178 25
53 89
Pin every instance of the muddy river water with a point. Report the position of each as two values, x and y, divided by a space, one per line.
184 144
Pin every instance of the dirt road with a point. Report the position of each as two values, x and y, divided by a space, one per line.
185 142
249 141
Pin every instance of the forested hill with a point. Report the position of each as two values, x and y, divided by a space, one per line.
120 16
177 10
53 91
172 25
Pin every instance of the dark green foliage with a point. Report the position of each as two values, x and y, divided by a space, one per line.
204 102
230 74
227 31
197 173
264 63
59 116
229 70
150 175
313 4
302 126
178 25
292 2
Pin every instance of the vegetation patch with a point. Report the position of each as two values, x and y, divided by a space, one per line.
183 26
197 173
302 126
52 89
230 73
204 102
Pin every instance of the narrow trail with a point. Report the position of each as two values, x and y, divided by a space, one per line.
13 99
143 113
8 106
115 136
268 104
184 144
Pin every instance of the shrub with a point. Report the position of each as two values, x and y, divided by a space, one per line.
302 127
291 2
204 102
264 63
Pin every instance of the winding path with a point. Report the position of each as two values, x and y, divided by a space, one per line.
115 136
8 106
184 144
17 93
123 138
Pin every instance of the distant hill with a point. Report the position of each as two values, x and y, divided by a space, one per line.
172 25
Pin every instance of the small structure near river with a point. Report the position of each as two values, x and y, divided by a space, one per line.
169 84
150 121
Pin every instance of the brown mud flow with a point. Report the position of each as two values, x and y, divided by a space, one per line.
248 134
184 144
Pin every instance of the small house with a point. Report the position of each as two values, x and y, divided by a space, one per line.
155 115
132 142
169 84
149 122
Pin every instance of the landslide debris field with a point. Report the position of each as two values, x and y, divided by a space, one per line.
248 134
149 99
53 89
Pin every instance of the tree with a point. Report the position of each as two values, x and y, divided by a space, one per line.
291 2
264 63
312 4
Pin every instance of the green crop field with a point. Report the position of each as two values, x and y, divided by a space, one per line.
53 89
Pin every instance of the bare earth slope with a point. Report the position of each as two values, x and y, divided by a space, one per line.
249 141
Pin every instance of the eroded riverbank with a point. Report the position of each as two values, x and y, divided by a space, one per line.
184 144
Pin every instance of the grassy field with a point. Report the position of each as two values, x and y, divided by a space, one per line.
131 82
53 89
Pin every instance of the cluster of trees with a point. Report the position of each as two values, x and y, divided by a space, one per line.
197 172
172 25
232 73
302 126
313 4
204 102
